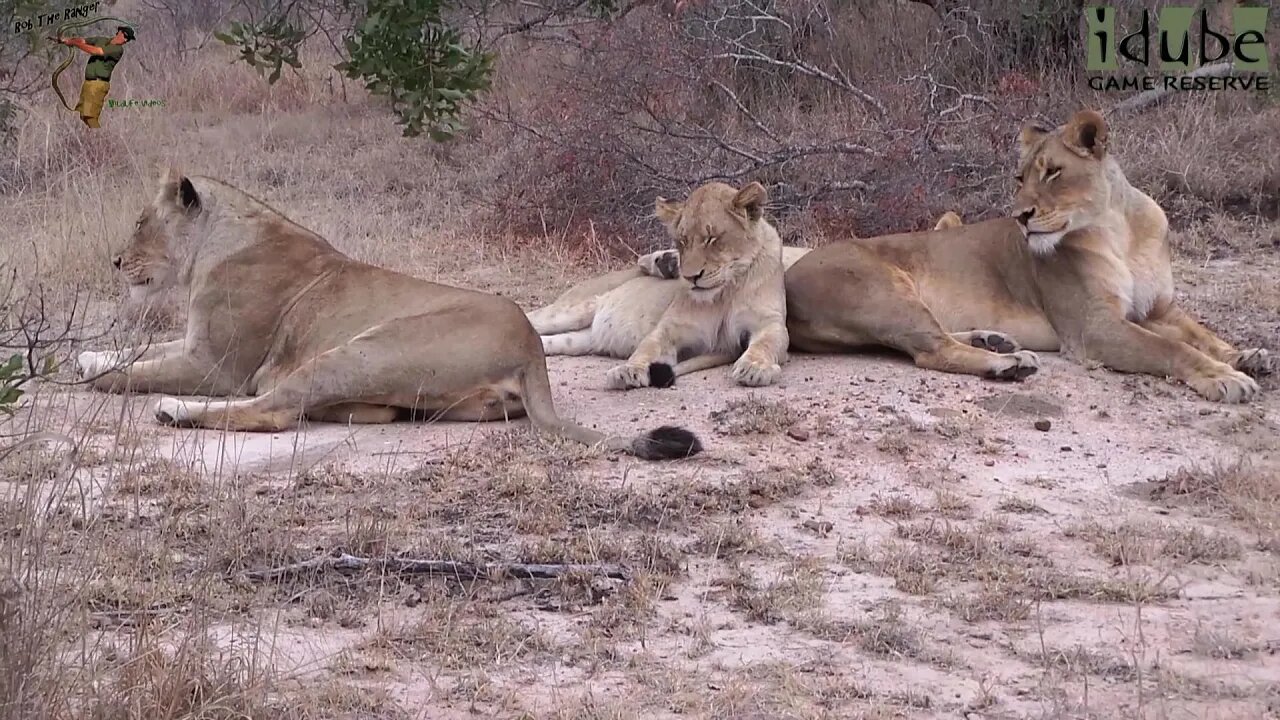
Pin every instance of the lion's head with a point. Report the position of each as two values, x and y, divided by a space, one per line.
719 232
1063 179
148 261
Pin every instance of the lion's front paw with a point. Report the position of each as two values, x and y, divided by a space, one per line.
1016 366
996 342
751 372
172 411
92 364
627 376
1255 362
1225 385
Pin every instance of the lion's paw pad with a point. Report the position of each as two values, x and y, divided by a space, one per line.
995 342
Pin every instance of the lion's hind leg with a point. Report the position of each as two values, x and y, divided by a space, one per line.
559 318
880 305
578 342
374 368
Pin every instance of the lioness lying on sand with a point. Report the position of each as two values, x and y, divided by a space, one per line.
278 313
612 313
727 307
1082 267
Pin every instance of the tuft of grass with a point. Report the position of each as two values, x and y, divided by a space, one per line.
991 603
754 416
1141 543
1223 644
951 505
460 634
1242 490
897 506
797 589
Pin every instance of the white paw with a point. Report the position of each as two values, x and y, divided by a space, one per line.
92 364
172 411
748 371
625 377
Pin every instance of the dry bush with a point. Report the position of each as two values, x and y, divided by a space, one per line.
755 416
1247 492
1138 543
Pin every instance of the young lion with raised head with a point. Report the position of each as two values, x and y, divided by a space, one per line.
1081 267
276 312
728 308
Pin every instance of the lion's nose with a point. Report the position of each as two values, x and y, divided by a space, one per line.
117 260
693 279
1024 216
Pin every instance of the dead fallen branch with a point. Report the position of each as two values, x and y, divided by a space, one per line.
343 562
1146 99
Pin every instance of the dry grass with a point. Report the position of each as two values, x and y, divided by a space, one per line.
797 589
1241 490
120 587
755 416
1139 543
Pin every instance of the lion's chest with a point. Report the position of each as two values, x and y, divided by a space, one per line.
1147 285
723 332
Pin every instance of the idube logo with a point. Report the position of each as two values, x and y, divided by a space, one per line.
1178 45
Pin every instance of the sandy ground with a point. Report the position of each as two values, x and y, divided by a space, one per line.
906 456
864 539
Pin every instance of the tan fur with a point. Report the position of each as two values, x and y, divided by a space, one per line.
627 304
277 313
731 291
1082 267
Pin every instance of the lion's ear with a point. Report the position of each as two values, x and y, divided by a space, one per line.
751 200
177 191
1029 136
1086 134
668 211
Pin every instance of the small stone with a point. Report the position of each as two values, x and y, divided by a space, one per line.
1065 448
1043 425
989 463
821 527
798 432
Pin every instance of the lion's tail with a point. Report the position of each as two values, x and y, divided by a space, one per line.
664 443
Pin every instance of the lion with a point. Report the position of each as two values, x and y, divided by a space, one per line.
1081 267
728 306
277 313
666 264
610 314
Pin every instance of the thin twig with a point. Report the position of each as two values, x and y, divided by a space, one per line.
343 562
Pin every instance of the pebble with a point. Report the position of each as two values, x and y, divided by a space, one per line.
1043 425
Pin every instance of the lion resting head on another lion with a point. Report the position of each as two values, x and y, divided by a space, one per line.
728 307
